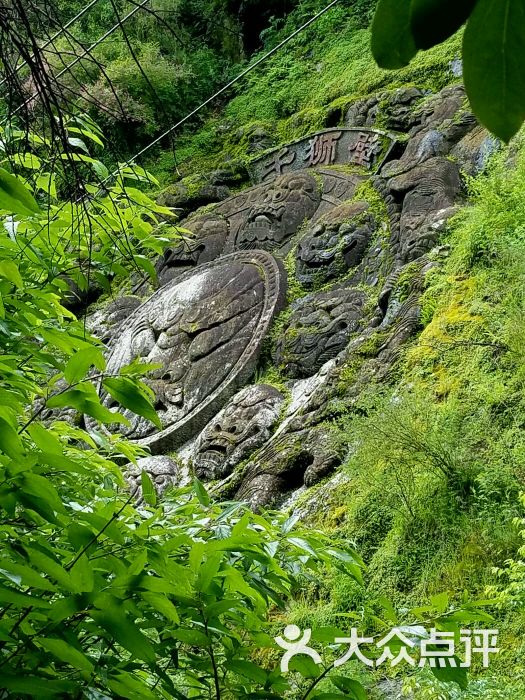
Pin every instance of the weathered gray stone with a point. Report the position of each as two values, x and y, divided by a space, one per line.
105 323
319 327
209 234
425 190
205 329
474 150
243 425
334 244
186 197
163 471
289 201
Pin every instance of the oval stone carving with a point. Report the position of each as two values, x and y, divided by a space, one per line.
205 330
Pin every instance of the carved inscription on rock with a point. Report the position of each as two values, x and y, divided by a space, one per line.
365 148
205 330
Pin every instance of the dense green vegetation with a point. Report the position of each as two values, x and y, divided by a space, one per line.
432 497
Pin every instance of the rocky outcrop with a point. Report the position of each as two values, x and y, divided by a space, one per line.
352 217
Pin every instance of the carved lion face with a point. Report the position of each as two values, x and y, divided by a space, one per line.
242 426
335 244
286 204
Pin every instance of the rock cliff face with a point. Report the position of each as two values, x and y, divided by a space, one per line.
295 293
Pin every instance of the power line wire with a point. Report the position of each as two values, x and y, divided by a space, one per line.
56 35
222 90
85 52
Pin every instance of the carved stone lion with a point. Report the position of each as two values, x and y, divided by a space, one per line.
319 327
209 233
286 204
334 244
241 427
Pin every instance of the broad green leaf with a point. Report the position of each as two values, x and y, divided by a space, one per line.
353 689
81 575
440 601
79 363
26 575
494 65
84 399
162 605
433 21
15 198
9 270
21 600
305 665
248 669
116 622
44 439
35 686
193 637
201 492
452 675
392 42
10 442
129 687
130 395
148 490
66 652
27 160
53 569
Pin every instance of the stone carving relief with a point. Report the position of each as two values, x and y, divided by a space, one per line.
236 431
222 286
364 148
319 327
209 234
428 191
205 329
289 201
163 471
334 244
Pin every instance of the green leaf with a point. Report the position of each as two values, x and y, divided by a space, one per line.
433 21
15 197
392 42
494 65
21 600
452 675
115 621
53 569
79 363
160 603
81 574
305 665
353 689
148 490
65 652
10 271
10 442
201 492
34 686
193 637
44 439
130 395
248 669
440 601
85 399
